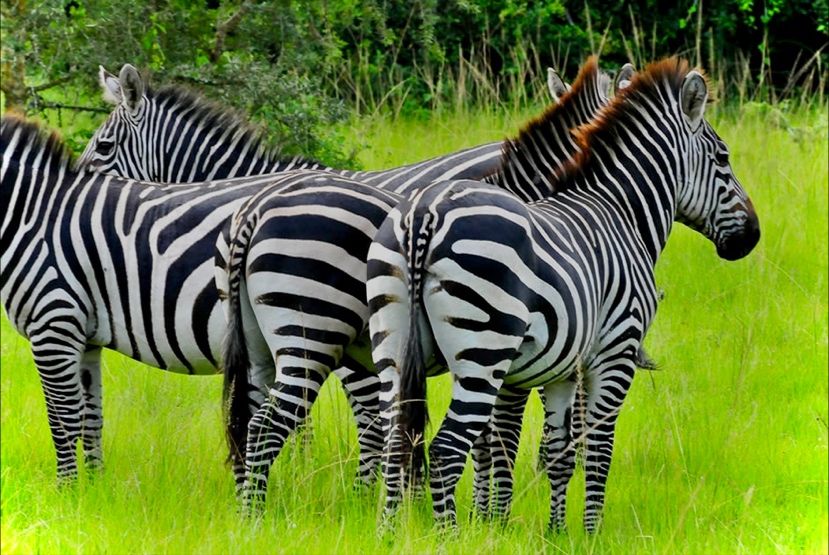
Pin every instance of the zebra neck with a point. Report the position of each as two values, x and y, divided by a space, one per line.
640 188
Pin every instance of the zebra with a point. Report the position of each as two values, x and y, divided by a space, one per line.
515 295
174 135
276 281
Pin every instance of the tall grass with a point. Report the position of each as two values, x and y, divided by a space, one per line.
724 450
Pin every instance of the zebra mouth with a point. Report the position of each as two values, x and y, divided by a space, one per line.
738 245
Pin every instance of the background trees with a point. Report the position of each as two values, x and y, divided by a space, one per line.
301 67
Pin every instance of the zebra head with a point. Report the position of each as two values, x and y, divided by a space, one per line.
710 199
119 145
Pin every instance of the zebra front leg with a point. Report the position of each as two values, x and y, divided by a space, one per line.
58 362
559 447
92 419
605 391
362 387
482 471
287 407
505 426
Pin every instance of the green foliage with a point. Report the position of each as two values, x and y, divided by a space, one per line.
299 68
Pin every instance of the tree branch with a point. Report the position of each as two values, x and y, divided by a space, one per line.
61 106
53 83
223 29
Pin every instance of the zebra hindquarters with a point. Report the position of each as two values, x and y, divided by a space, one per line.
306 341
306 268
479 356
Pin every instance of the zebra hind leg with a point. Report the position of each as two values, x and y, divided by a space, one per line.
468 415
262 374
505 423
287 407
362 387
482 467
559 447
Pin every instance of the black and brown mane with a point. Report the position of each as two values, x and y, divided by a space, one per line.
617 114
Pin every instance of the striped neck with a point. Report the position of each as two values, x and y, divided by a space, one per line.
635 165
198 141
530 161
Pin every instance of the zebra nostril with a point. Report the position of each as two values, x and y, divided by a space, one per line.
738 245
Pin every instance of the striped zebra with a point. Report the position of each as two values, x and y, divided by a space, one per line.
515 296
297 269
173 135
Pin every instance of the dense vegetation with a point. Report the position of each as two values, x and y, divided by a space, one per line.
301 67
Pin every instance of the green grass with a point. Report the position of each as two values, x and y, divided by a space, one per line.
724 450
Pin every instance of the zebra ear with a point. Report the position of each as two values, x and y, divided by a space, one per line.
110 85
555 84
623 77
692 98
132 87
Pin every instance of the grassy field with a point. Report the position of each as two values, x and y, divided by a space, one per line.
724 450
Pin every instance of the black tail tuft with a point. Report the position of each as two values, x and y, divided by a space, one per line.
414 412
236 361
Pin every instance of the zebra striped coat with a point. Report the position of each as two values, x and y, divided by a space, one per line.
305 290
518 296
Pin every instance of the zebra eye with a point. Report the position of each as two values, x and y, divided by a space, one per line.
721 157
104 147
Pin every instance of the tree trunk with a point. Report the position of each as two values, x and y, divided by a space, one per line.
14 85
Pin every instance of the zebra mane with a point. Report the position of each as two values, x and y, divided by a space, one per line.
522 152
618 114
31 135
209 113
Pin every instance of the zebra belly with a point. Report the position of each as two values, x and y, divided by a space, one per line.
543 359
185 349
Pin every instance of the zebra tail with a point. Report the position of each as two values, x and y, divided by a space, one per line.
414 413
235 356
